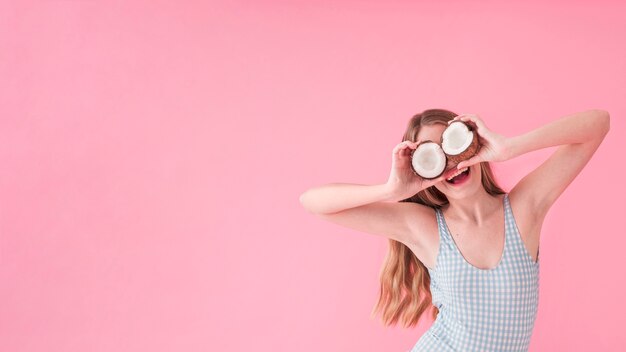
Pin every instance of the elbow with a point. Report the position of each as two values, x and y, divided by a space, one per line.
304 202
604 120
302 199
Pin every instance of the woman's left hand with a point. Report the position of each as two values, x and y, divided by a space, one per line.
494 146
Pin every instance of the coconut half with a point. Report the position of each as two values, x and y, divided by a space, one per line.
459 142
428 160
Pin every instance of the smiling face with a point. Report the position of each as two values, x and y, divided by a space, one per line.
468 187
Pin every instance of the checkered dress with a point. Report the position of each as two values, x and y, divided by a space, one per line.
482 309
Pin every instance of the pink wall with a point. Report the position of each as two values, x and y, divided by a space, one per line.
153 154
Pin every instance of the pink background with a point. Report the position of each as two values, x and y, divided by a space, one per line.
153 154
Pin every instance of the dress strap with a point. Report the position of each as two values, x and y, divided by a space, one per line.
513 233
441 226
508 214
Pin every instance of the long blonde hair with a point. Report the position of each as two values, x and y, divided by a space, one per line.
405 281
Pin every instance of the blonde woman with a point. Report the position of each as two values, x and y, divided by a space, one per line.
464 248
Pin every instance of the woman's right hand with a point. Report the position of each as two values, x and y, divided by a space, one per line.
403 182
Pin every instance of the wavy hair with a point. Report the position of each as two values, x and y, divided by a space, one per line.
404 279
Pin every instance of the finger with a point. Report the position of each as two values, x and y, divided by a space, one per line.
407 148
407 145
469 162
475 119
399 146
456 118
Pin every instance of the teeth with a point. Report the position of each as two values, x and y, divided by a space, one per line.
456 173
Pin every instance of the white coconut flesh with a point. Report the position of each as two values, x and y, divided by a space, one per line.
456 138
429 160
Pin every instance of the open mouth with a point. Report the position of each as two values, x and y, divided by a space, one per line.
460 178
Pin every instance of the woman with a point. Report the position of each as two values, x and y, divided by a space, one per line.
469 250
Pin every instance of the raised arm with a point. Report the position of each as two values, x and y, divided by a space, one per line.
578 128
376 208
579 136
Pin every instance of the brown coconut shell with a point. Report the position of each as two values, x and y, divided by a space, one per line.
415 171
471 150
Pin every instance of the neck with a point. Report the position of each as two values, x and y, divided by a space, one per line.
475 208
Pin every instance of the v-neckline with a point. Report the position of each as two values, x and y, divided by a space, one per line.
461 254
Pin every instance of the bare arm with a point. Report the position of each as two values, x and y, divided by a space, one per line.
579 135
575 128
376 208
335 197
369 208
402 184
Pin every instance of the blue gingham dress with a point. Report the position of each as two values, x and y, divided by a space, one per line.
482 309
